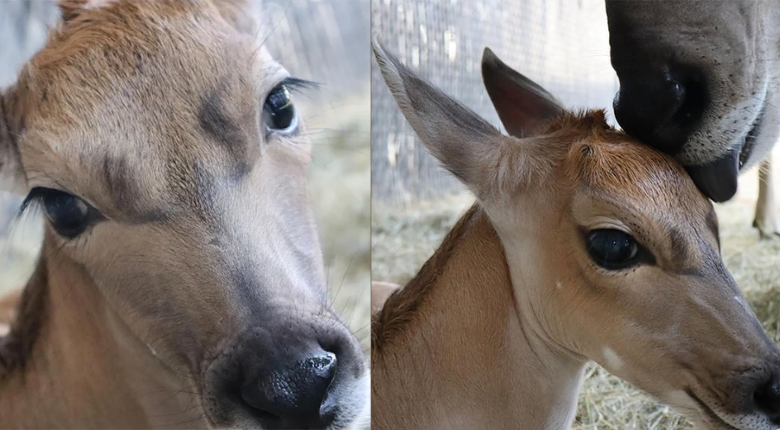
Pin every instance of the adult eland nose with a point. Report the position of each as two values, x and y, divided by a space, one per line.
294 396
660 105
767 399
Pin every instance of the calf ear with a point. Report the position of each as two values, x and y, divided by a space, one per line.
522 104
12 176
455 135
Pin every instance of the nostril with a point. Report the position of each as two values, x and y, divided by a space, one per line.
690 102
293 395
661 107
767 399
321 366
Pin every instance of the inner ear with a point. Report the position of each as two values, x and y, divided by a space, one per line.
522 104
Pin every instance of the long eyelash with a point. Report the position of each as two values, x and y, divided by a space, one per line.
299 85
33 201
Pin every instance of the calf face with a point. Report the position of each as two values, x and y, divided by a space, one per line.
613 251
161 142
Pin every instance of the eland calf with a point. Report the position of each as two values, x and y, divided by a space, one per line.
181 282
583 245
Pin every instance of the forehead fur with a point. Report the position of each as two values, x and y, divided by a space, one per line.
125 52
610 162
138 99
86 24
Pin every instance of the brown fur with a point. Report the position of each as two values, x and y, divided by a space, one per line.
81 33
603 162
496 328
400 309
422 364
204 252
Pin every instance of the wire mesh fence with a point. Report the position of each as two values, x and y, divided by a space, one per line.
322 40
561 44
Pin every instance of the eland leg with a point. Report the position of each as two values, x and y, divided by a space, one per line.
766 220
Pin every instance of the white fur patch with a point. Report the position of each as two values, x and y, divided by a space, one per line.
363 419
612 360
4 329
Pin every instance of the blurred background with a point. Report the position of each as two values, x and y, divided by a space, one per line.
326 41
564 46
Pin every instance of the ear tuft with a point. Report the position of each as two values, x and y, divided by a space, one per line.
522 104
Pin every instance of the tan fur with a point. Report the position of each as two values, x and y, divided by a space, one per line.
152 113
496 328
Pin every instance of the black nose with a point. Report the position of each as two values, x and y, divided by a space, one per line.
767 399
660 104
294 395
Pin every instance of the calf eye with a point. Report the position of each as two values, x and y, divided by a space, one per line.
279 111
68 214
612 249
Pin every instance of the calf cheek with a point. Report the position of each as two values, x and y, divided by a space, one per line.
171 298
635 327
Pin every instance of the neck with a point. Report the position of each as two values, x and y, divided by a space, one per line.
70 361
450 350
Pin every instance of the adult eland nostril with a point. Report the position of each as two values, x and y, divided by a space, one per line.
661 107
767 399
294 395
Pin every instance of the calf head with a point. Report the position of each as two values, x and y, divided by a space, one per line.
613 251
161 142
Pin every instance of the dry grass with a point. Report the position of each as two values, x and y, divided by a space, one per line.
403 239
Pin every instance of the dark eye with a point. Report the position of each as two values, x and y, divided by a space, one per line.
279 111
612 249
68 214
